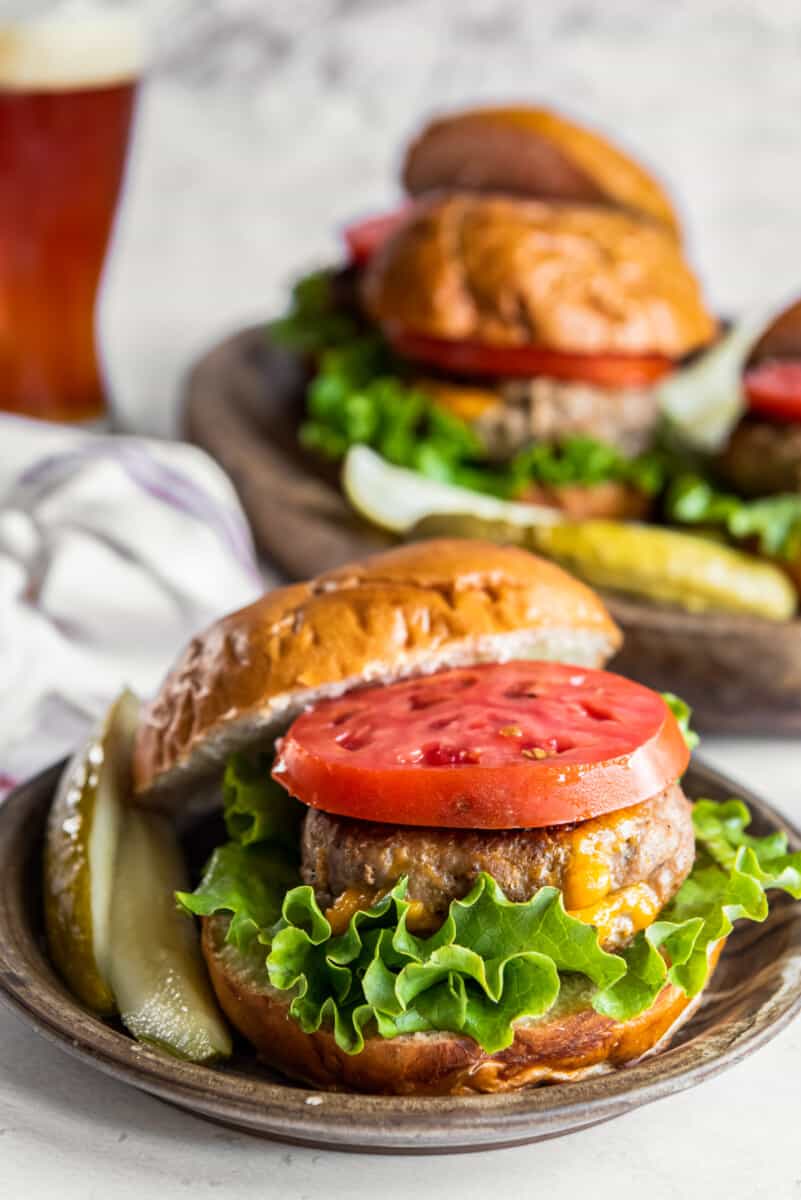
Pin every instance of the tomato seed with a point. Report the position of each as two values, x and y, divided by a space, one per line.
353 741
448 756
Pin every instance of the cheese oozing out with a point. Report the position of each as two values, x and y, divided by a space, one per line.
587 890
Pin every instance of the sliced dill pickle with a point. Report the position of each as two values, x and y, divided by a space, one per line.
466 525
667 566
156 969
80 853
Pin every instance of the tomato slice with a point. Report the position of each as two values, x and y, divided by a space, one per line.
774 389
364 237
497 746
526 362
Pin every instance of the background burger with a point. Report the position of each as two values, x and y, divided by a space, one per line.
542 323
507 328
752 488
453 861
763 453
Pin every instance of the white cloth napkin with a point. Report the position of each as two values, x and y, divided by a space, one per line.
113 552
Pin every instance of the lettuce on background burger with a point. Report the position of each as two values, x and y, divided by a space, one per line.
464 864
753 491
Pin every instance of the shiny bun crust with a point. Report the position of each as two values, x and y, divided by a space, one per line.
508 272
566 1044
532 152
411 610
781 337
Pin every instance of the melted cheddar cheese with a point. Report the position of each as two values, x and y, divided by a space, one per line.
419 918
586 886
594 845
352 900
466 403
621 914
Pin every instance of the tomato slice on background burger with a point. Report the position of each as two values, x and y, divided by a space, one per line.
497 746
527 362
364 237
773 389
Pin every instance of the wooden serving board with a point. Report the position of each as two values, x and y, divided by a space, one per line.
243 404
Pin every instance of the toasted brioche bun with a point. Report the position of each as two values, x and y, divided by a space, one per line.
411 610
607 501
507 272
568 1043
532 152
780 339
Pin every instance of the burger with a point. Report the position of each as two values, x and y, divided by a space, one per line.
752 489
458 856
506 329
561 318
763 453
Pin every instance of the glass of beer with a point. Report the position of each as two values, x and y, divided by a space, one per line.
67 85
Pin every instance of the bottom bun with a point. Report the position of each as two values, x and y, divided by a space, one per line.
610 500
570 1042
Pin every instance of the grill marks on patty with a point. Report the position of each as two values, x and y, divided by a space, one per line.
650 844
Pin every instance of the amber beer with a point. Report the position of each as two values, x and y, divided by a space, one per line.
66 98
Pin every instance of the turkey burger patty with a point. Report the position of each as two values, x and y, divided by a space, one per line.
624 866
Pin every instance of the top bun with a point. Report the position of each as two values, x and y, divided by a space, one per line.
415 609
503 271
532 152
781 338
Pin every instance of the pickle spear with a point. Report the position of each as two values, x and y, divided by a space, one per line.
156 970
394 498
113 928
668 566
661 565
80 849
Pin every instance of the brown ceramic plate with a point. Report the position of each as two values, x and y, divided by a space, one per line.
243 404
754 993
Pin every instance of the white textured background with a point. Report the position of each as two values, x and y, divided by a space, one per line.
265 124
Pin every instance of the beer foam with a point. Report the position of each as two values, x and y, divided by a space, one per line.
70 46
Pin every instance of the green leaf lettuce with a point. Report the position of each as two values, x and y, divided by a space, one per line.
364 394
771 523
492 962
682 712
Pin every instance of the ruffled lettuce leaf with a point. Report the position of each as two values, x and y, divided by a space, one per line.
682 712
248 876
728 882
773 523
314 321
249 882
492 962
362 393
578 459
255 807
